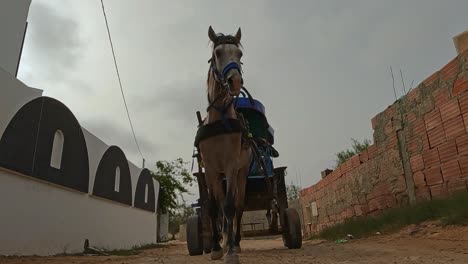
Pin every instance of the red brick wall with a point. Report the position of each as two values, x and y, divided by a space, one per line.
432 120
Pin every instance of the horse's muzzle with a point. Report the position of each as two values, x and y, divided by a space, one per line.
235 83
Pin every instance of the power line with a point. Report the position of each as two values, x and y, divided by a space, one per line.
120 83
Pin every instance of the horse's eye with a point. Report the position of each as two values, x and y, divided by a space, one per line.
241 54
218 53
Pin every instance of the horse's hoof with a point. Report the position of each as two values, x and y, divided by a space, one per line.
231 258
237 249
215 255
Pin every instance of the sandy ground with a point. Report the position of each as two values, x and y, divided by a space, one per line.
431 244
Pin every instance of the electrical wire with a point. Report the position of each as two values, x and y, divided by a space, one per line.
120 82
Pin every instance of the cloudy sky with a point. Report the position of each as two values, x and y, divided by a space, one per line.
320 67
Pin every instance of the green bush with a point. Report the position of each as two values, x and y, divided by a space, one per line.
356 147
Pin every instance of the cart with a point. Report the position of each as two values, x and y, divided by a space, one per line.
262 193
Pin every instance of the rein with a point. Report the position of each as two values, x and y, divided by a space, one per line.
224 109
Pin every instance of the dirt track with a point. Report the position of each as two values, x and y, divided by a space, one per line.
429 245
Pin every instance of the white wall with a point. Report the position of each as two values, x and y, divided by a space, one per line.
13 14
183 232
40 218
164 227
96 149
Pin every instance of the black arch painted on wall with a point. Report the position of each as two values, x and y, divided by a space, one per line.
26 144
144 180
105 177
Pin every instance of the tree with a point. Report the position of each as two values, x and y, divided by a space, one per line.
173 178
343 156
293 191
357 147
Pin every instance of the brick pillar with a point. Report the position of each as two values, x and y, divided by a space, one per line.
461 42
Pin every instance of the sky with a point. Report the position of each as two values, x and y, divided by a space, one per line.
321 68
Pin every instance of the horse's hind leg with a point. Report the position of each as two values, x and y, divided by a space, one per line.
240 201
225 246
274 218
268 217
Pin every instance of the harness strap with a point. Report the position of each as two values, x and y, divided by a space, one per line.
217 128
262 164
248 94
224 114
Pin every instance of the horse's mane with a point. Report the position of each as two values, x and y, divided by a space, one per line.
210 80
239 44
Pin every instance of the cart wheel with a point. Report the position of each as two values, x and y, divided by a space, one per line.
194 238
292 237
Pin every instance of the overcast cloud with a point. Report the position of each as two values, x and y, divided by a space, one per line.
320 67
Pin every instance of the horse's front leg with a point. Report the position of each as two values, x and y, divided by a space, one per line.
216 250
231 207
237 239
215 196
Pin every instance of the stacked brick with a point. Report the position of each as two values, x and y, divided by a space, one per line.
436 132
367 183
430 125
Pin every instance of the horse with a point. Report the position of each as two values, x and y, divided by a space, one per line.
225 155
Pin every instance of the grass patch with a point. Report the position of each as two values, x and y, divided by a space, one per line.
134 250
451 211
118 252
122 252
150 246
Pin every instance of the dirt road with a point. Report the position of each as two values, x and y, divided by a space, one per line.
429 245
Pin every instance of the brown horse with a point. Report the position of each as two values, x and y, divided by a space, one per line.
225 156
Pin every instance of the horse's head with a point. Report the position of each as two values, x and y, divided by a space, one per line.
225 60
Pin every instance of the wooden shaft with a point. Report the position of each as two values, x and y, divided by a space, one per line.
200 121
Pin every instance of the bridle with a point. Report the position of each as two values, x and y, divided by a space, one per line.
220 76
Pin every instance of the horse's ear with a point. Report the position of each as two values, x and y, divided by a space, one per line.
238 35
212 34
